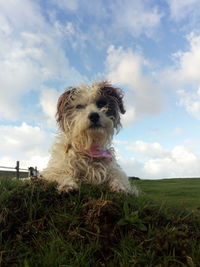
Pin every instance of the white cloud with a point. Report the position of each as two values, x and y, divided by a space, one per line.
184 76
183 155
29 144
22 18
152 161
129 117
48 102
149 150
34 161
156 168
127 68
188 62
31 53
124 66
137 17
186 68
131 166
190 101
181 9
180 163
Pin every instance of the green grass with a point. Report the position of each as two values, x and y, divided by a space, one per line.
181 192
12 174
93 227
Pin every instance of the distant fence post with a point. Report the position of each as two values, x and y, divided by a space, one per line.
17 169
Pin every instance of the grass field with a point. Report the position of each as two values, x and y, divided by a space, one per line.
96 227
12 174
182 192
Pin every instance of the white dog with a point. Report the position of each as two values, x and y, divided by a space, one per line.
87 117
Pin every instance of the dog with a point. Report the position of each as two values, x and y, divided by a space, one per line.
88 116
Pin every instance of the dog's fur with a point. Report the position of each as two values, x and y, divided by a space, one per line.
70 161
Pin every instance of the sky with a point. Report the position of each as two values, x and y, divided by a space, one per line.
149 49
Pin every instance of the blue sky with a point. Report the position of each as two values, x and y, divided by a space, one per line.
150 49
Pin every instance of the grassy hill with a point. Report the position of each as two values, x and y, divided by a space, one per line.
94 227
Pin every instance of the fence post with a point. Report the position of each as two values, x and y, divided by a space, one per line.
17 169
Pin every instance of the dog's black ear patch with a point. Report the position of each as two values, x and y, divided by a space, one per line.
115 94
63 104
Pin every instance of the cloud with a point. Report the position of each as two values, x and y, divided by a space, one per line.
131 165
148 150
26 143
137 17
127 68
153 161
187 68
27 17
184 76
180 10
34 41
32 54
190 101
129 117
180 163
34 161
48 102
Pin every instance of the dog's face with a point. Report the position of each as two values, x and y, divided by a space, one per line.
88 115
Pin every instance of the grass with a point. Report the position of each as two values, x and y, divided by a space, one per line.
93 227
12 174
182 192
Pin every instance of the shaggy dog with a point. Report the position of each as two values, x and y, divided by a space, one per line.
87 117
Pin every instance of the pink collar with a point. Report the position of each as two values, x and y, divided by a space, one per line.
97 152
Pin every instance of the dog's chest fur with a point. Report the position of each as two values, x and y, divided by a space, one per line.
84 167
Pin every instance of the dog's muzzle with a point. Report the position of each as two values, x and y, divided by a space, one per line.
95 120
94 117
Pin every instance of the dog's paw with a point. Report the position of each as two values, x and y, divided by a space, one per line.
66 188
116 186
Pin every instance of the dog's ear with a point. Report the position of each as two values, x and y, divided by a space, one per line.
63 104
115 94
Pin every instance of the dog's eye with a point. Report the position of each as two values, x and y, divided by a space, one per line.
79 106
101 103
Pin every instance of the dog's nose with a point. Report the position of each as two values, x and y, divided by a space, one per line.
94 117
